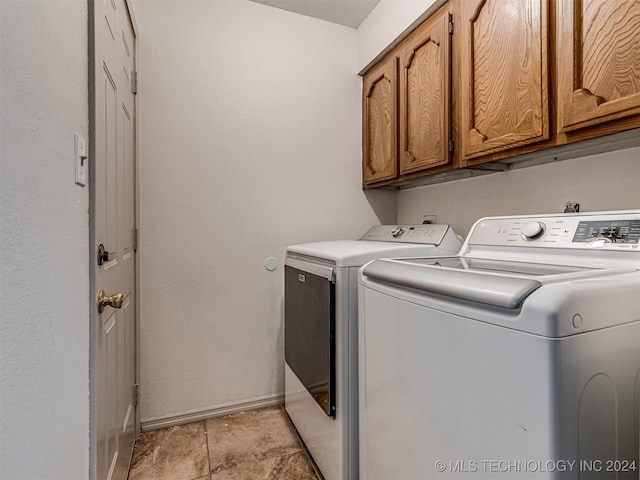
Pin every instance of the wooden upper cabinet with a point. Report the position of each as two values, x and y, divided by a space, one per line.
477 75
424 96
379 114
504 90
598 61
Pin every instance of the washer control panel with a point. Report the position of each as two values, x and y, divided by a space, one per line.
608 231
424 233
623 231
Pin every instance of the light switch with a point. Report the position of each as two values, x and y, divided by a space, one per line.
82 161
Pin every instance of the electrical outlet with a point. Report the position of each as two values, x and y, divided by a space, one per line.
429 219
571 207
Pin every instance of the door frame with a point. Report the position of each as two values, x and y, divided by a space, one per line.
93 317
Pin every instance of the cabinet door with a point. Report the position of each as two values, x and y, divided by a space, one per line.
425 65
505 75
379 113
598 55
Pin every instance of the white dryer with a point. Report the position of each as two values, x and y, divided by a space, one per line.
519 358
321 317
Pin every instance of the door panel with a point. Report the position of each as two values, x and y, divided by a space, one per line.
108 392
110 154
504 89
113 223
598 52
125 183
125 419
425 98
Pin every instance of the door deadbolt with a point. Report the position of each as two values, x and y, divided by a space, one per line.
103 255
114 301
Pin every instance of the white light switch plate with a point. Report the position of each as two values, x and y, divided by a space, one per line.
82 160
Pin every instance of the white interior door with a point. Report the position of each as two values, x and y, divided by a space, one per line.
113 227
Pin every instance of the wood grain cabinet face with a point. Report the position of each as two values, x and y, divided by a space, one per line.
425 65
598 61
379 125
504 74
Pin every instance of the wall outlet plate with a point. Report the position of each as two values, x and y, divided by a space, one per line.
81 159
429 219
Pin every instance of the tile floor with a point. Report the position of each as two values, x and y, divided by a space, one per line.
256 445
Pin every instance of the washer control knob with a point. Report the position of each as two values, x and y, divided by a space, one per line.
396 232
532 230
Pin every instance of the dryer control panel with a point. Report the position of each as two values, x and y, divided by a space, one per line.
431 234
617 231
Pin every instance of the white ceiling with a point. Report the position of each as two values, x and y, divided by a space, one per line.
345 12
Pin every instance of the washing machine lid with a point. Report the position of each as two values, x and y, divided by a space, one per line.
494 282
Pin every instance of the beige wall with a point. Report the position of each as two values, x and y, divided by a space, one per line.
608 181
44 242
249 142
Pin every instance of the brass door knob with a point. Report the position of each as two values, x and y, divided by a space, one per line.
114 301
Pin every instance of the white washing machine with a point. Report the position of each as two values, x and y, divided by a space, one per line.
519 358
321 317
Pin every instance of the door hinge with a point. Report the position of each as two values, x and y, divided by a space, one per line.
134 81
135 394
134 239
451 145
450 27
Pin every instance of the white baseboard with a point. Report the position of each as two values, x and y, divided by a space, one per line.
199 415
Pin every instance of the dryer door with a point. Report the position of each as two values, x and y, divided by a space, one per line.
309 329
